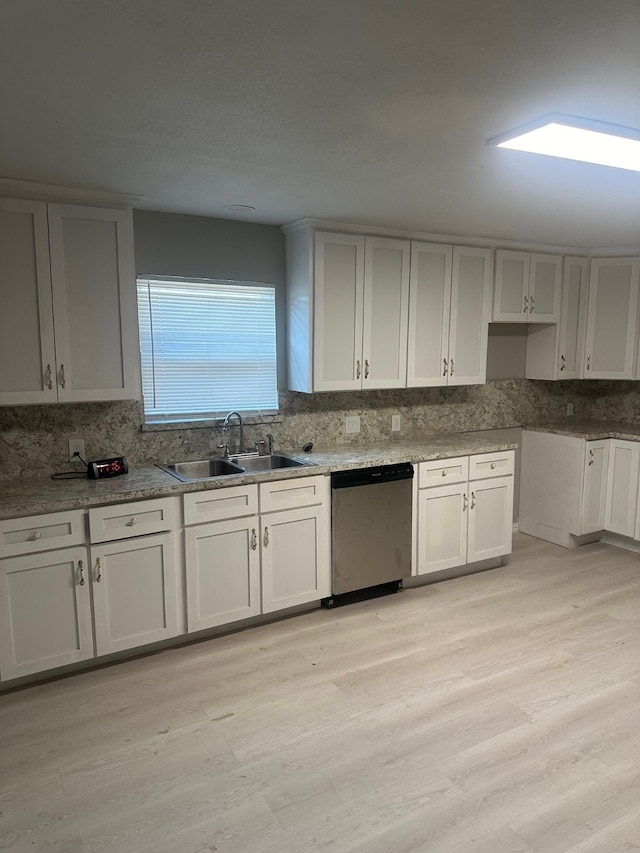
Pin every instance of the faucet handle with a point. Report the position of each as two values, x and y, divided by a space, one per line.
270 440
224 447
260 447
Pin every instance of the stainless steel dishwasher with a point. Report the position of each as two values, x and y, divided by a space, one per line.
371 527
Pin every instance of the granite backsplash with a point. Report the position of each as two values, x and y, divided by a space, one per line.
34 439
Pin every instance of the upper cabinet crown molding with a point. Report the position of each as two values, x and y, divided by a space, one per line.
13 188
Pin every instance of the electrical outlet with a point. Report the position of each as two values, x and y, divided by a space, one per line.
395 423
569 409
76 448
352 424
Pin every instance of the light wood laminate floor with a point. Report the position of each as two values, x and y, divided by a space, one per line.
493 713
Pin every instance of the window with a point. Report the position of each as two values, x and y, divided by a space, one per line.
207 347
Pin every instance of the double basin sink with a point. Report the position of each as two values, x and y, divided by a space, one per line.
203 469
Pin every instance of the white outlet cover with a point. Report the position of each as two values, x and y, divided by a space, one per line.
352 424
395 423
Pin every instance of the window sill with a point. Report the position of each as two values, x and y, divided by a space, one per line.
250 420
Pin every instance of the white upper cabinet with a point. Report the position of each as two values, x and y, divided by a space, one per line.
449 311
612 318
27 350
347 301
66 278
557 351
527 287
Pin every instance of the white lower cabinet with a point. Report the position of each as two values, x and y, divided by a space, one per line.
623 476
470 518
563 487
45 611
266 549
134 592
60 605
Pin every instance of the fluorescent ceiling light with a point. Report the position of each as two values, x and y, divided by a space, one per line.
576 139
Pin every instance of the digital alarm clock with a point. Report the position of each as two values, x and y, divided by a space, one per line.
111 467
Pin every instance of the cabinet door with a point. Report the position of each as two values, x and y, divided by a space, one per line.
134 592
386 301
470 313
594 489
429 312
611 318
45 611
573 319
490 518
442 527
223 572
544 288
622 487
295 556
94 303
27 352
511 288
338 311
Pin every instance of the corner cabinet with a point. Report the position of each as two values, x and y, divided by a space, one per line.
449 312
612 318
347 299
557 351
68 329
563 487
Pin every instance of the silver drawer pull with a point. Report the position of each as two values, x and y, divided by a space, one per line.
36 534
493 465
444 473
134 520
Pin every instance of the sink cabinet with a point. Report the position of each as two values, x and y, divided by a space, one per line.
252 550
68 329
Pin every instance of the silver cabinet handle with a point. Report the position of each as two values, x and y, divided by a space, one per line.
134 521
265 540
98 569
254 539
81 571
445 368
526 304
451 365
493 465
49 377
591 457
473 499
36 535
465 503
533 305
63 378
366 368
588 362
358 370
564 362
444 472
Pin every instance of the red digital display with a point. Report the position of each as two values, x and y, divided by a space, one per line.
107 467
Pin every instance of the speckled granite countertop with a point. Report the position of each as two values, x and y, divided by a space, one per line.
29 497
590 430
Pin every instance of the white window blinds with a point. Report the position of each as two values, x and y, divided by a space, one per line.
207 347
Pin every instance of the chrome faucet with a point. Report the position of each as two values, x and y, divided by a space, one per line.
225 426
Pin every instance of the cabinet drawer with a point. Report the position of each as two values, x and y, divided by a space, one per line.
41 532
439 472
126 520
289 494
219 504
491 465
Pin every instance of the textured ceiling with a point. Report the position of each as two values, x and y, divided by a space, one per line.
369 111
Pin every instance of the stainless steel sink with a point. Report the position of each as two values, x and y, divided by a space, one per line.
202 469
205 469
271 462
